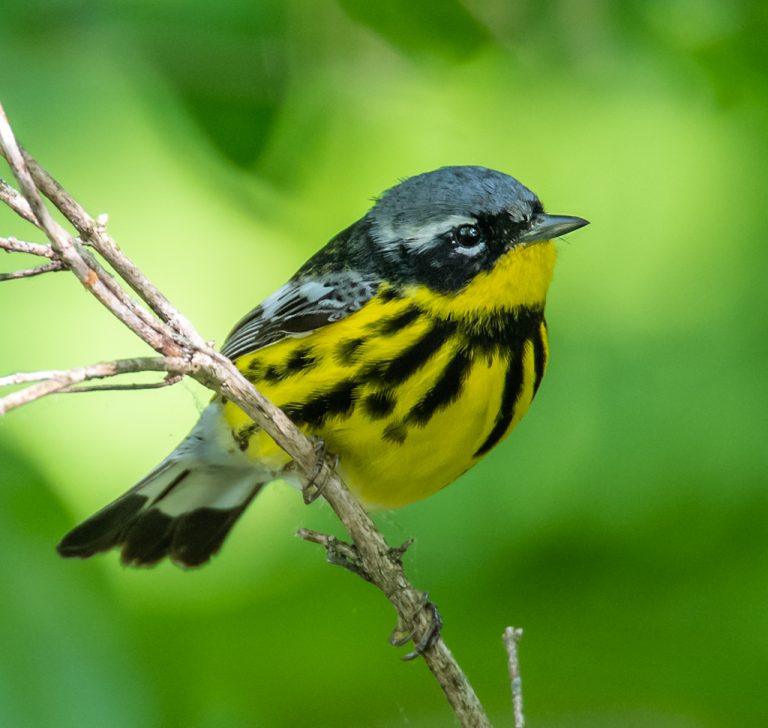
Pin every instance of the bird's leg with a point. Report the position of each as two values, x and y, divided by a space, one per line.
313 489
403 634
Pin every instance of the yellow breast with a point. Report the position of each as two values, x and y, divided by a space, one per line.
408 392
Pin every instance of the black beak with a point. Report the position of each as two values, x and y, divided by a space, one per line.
546 227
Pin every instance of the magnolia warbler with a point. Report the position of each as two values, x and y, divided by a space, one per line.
411 344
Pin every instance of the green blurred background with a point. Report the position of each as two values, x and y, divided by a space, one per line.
625 523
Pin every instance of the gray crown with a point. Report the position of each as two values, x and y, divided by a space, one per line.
449 192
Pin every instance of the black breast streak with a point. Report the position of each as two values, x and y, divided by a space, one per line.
255 370
393 324
274 373
395 433
379 404
539 355
503 332
337 401
387 294
301 359
502 335
346 352
396 371
242 436
444 391
341 399
513 384
506 335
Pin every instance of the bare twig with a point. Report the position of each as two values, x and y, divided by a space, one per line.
32 272
17 203
137 309
338 553
95 232
168 381
53 381
91 276
512 637
186 352
12 245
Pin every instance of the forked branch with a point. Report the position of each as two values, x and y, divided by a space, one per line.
183 351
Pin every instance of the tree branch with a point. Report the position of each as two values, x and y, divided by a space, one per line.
511 639
31 272
17 203
168 381
185 352
95 232
62 380
91 275
12 245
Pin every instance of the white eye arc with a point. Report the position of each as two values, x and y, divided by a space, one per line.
467 240
471 252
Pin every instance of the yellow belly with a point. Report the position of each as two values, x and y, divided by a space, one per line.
387 459
387 475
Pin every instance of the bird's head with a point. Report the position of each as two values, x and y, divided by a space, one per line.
444 228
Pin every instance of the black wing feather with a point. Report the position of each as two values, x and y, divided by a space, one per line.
300 307
335 282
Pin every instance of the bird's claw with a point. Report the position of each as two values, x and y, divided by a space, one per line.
402 634
313 489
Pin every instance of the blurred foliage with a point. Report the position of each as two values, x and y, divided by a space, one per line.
623 525
443 28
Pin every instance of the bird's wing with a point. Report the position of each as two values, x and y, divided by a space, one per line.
298 308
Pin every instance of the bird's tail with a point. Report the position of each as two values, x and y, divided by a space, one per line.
183 509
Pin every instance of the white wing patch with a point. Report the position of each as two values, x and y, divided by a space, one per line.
293 297
299 308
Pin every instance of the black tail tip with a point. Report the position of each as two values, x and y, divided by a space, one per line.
103 530
145 537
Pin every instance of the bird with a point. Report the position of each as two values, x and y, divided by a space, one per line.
410 345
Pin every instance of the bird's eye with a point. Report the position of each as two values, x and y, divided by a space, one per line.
466 235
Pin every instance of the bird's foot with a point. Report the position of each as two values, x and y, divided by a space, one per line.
403 634
313 488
